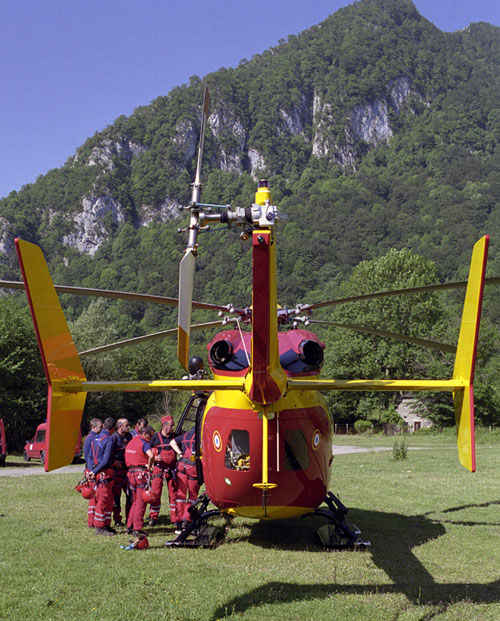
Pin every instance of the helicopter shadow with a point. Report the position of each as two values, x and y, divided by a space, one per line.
481 505
393 537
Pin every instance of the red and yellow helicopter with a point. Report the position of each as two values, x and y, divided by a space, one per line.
264 430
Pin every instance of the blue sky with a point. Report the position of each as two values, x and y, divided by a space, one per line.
70 67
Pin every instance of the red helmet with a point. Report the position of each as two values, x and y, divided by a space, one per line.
142 543
88 492
149 496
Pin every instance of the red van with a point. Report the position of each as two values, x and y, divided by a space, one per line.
36 447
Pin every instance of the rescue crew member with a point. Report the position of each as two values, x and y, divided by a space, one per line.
103 473
139 426
95 429
187 479
164 470
139 459
121 438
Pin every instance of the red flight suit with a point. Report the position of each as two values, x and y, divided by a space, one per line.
164 471
89 462
121 482
102 450
138 477
187 479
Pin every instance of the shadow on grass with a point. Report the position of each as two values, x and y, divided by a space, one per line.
393 537
466 522
21 464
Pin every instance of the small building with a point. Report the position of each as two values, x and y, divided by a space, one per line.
410 410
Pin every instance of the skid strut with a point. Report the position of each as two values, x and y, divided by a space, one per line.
197 533
338 534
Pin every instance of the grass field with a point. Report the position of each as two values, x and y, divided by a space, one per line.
435 553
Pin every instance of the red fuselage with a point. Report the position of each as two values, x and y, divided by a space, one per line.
299 437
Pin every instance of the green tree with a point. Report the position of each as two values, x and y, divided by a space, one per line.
357 355
22 382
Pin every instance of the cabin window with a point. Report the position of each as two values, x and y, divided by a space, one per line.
40 436
238 450
296 450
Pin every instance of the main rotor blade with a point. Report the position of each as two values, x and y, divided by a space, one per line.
147 337
196 194
123 295
382 294
186 280
391 335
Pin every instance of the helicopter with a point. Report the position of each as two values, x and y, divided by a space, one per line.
264 432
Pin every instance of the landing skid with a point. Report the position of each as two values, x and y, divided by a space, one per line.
338 534
198 533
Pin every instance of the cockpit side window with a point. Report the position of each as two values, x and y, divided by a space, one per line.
237 455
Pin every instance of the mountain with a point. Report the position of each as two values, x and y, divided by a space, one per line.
376 129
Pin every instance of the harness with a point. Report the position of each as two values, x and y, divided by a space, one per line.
186 462
166 452
95 450
102 479
142 479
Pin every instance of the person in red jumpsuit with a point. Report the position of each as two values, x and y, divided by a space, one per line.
95 429
139 459
103 474
187 479
164 470
121 438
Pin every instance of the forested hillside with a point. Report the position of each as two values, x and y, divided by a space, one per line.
376 130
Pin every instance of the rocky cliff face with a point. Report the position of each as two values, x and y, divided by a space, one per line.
104 154
369 122
6 243
313 119
231 136
91 223
297 118
167 210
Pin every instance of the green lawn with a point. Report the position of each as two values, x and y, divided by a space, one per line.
435 554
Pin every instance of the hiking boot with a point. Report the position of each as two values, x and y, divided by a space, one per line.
152 522
129 530
136 533
108 533
119 524
110 530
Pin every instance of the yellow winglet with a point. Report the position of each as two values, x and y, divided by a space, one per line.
466 355
59 356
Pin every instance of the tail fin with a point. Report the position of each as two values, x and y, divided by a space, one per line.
59 356
466 355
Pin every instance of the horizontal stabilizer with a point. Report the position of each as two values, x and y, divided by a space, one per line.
59 356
